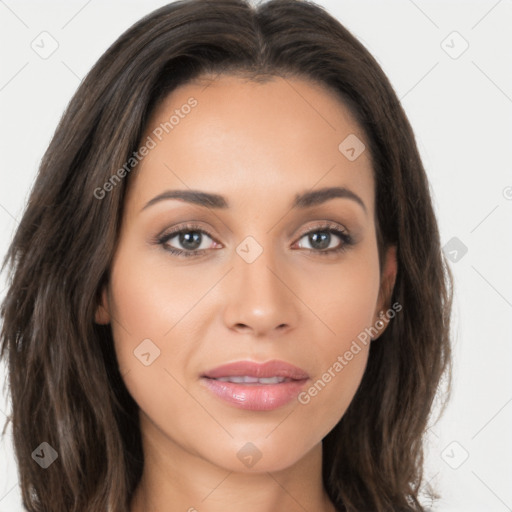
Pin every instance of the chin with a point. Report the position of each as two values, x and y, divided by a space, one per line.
259 455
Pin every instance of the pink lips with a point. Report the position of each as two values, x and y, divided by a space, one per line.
281 383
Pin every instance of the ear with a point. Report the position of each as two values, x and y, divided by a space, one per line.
102 315
387 285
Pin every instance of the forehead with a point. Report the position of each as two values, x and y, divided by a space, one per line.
252 140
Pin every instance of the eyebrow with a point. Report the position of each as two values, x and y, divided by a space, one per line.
301 201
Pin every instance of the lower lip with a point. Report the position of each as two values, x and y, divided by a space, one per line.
256 397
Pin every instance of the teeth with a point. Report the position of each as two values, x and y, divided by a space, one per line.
253 380
271 380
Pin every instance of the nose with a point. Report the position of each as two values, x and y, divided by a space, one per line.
261 296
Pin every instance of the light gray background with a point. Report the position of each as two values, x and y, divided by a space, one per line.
461 110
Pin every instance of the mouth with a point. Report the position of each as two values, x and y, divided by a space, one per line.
254 386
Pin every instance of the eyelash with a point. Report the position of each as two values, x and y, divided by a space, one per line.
346 239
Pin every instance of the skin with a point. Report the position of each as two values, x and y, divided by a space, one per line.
257 144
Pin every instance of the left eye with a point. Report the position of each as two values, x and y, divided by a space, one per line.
322 240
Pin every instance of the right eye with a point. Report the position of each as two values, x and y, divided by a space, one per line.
190 237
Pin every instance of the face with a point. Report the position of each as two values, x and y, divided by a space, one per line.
264 271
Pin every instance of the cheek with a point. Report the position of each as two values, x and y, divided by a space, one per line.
144 313
343 298
149 300
344 302
341 360
331 391
148 319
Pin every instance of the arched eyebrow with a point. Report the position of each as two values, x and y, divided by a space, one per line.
316 197
301 201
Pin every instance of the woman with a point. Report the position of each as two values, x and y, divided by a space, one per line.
227 289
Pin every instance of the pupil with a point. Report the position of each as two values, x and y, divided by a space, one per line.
324 242
190 242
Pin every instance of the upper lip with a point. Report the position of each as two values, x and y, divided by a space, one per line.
274 368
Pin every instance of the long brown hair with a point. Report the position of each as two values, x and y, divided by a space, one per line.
64 382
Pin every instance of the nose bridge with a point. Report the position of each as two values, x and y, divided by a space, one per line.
258 296
254 263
